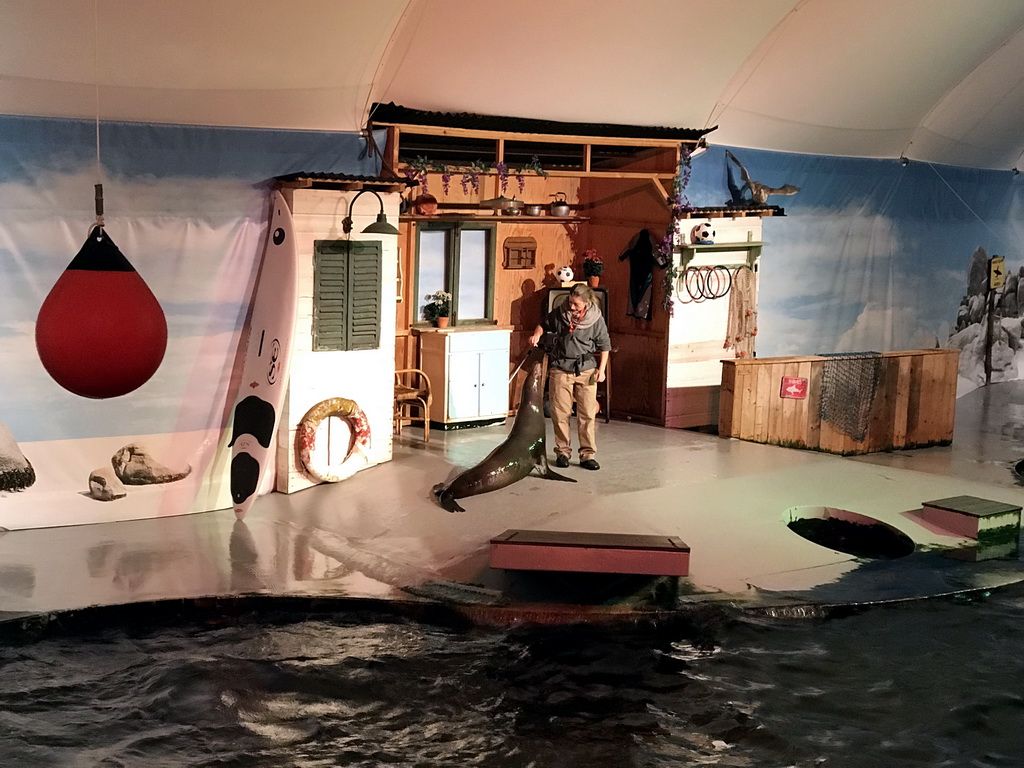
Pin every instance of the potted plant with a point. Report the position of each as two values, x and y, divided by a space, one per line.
593 267
438 308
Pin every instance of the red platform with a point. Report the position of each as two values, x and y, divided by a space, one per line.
590 552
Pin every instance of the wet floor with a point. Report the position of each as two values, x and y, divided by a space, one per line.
381 535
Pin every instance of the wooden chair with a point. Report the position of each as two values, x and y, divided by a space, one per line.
412 390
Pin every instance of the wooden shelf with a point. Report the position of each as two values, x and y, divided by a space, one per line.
737 246
752 247
495 219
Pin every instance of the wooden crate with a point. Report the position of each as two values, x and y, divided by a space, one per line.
914 404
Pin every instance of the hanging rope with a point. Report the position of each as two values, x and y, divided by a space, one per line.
96 81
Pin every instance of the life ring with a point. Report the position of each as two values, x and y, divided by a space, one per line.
306 437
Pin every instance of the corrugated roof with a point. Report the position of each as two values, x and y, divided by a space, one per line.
393 113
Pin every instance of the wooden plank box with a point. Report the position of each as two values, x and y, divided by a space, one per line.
590 552
994 525
913 405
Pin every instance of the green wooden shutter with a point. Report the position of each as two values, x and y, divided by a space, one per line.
346 296
364 281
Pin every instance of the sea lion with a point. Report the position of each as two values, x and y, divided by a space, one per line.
514 459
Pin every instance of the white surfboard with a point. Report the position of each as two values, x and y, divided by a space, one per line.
264 381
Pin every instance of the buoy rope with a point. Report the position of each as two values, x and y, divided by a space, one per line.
96 83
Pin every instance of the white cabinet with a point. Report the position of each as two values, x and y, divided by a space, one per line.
468 370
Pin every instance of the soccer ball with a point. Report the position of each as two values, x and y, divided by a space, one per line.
564 274
702 234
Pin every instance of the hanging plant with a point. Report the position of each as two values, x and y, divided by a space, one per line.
418 169
502 170
680 206
533 166
471 175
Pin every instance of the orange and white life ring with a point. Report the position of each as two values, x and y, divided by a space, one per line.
343 408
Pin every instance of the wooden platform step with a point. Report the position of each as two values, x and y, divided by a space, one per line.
993 524
525 550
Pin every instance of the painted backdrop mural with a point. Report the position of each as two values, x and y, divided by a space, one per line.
873 255
188 208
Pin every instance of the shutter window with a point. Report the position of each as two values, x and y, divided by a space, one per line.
346 298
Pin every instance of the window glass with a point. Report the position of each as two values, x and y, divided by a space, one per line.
473 274
431 270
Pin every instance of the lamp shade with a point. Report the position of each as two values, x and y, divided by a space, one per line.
381 226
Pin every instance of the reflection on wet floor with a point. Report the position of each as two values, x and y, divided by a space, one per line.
381 534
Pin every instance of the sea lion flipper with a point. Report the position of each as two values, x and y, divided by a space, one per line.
548 474
446 500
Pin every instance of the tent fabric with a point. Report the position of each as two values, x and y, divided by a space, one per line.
931 80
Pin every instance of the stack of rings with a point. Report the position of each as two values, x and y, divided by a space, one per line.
701 283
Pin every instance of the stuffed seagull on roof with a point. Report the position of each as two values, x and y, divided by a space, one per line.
758 192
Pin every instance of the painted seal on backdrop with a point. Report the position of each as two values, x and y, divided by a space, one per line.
521 452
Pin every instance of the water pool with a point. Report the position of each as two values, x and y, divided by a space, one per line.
937 683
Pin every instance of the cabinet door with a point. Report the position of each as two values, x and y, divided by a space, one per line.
463 385
494 383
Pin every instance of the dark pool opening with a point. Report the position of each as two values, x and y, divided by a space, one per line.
853 534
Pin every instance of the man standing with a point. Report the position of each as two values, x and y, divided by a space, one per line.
578 347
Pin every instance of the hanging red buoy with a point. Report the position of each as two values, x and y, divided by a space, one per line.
101 332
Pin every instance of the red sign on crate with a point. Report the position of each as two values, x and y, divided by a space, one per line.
793 387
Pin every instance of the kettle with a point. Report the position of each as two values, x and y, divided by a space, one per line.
559 206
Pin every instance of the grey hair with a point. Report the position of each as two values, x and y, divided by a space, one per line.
583 291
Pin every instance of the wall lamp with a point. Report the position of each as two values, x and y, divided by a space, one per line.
699 148
379 227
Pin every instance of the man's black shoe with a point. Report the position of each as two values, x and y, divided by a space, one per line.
562 461
590 464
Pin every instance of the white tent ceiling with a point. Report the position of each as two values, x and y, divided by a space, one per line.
935 80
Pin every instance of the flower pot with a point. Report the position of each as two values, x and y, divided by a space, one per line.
442 322
593 280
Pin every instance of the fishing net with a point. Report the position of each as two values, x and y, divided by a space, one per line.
741 327
849 383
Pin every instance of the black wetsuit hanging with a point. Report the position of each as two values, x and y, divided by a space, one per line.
643 255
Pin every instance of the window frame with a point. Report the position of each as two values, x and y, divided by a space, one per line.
453 260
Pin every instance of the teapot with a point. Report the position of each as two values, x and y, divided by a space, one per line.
559 206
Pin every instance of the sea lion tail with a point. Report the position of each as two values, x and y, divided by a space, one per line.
445 498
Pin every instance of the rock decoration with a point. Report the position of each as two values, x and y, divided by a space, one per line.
16 472
105 486
134 466
969 333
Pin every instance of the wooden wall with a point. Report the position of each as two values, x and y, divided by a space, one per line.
366 376
610 211
618 210
518 293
